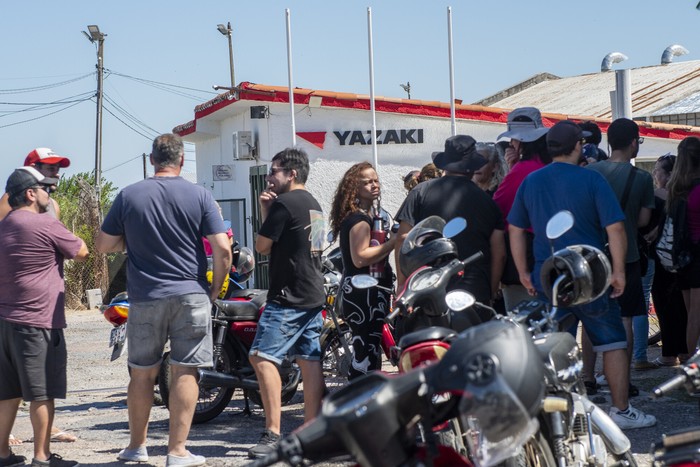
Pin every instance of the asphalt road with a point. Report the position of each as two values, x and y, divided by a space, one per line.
95 409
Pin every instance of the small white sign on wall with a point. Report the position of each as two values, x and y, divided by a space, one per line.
222 173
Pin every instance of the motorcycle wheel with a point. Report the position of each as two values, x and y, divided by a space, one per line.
535 453
335 362
287 394
212 400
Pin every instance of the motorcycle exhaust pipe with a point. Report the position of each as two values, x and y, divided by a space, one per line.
613 436
216 379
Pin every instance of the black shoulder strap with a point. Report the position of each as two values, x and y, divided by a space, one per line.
628 187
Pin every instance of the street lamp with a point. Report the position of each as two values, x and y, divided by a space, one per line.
95 36
226 31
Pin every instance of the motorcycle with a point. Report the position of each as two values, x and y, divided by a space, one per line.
576 430
376 419
234 325
681 448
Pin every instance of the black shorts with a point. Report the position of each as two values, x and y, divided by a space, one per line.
632 299
32 362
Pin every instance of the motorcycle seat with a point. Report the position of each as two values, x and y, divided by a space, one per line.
238 310
428 334
257 296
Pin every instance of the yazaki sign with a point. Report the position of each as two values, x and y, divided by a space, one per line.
359 137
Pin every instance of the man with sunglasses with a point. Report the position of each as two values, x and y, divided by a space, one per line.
292 234
48 164
32 312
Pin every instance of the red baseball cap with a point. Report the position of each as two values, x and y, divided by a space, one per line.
46 156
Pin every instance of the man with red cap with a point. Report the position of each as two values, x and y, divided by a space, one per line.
48 163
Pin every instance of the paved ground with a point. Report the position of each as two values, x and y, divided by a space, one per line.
95 409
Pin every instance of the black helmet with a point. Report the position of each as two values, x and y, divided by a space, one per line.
425 245
243 265
586 271
500 374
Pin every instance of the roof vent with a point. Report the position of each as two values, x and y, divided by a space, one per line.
610 59
672 51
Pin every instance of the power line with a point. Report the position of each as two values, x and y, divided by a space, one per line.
123 163
165 86
129 116
43 116
45 86
126 124
43 105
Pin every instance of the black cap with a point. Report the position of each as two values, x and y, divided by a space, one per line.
564 135
24 178
459 155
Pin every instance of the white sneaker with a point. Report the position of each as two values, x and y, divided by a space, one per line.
600 379
632 418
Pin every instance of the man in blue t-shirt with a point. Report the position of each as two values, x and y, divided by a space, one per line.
563 185
160 221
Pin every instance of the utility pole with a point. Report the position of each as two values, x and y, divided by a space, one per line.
226 31
145 174
95 36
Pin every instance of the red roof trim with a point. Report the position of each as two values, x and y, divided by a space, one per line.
256 92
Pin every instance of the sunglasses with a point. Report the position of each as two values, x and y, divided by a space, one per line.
274 170
640 140
46 188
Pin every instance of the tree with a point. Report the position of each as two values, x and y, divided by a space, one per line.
81 213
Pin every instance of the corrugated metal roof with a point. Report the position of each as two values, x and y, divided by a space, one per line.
688 105
653 88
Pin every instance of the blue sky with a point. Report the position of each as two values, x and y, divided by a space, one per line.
497 43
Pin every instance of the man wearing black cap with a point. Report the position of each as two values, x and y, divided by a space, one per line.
32 313
563 185
455 195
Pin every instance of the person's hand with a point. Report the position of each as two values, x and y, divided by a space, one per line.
527 283
617 282
267 197
512 156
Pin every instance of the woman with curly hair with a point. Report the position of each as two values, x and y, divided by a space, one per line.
351 222
685 184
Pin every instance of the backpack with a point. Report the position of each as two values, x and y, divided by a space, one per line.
673 247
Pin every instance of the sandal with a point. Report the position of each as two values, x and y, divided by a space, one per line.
665 361
60 436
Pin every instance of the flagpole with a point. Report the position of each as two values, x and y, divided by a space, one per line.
289 72
371 87
452 72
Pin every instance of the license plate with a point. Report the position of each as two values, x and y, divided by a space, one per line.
117 335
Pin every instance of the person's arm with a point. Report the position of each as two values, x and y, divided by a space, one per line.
518 248
498 258
263 245
617 242
267 197
4 206
404 228
644 217
221 262
83 253
56 208
106 243
361 252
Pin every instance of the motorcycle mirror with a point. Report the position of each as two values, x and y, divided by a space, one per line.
559 224
330 238
459 300
454 227
363 281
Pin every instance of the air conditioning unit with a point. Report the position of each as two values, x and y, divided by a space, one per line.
243 147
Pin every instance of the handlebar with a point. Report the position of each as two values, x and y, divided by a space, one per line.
476 256
689 377
673 383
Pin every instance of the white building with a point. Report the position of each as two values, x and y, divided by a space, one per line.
237 134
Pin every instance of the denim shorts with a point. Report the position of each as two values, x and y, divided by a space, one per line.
602 322
32 362
185 319
288 332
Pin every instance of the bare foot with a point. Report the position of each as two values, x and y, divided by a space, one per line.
14 441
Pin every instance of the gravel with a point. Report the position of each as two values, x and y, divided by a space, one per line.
95 409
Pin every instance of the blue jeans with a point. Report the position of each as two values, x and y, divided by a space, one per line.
640 324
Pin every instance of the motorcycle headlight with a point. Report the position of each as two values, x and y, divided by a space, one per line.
496 423
425 279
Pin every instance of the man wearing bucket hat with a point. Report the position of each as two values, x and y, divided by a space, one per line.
526 152
32 312
455 195
48 163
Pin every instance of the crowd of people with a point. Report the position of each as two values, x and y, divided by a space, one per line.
505 190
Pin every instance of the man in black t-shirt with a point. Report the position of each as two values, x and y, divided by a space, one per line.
292 234
455 195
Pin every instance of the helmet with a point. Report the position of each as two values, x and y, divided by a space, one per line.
425 245
243 265
586 271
